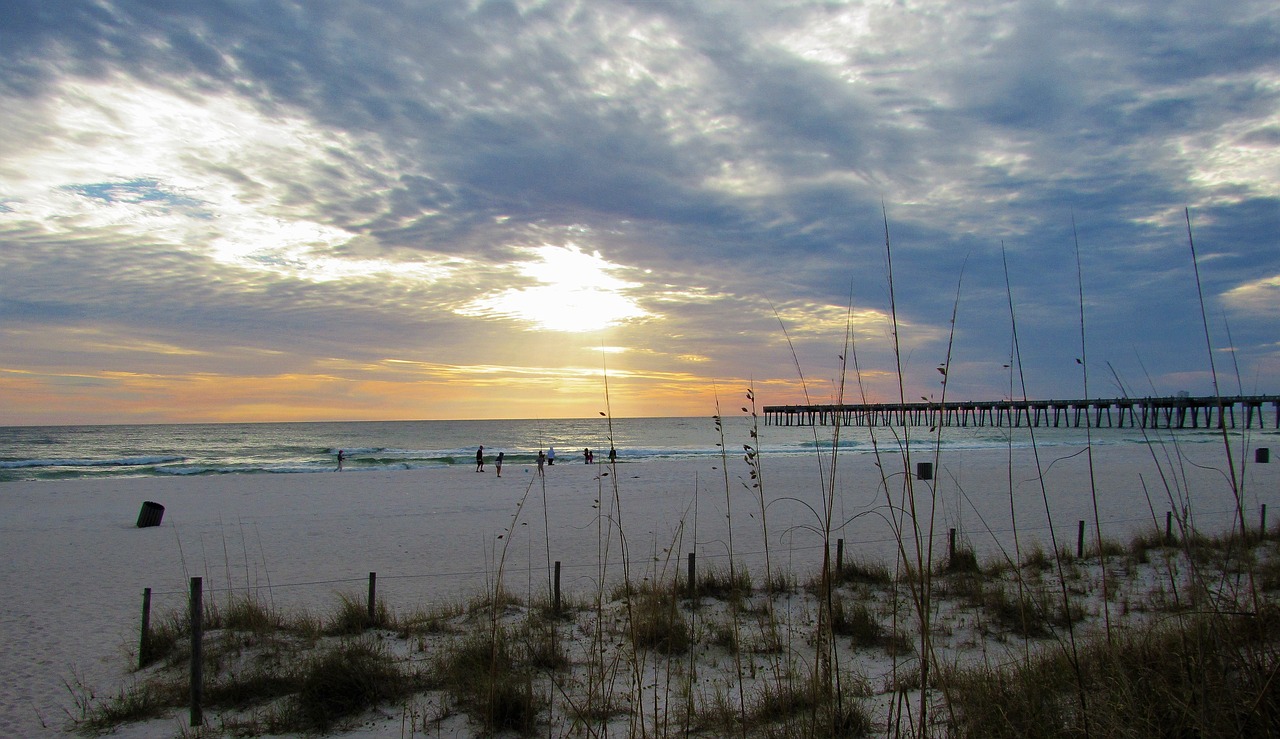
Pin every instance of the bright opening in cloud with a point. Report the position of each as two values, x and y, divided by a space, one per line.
577 292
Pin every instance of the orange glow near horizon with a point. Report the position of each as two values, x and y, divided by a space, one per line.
445 394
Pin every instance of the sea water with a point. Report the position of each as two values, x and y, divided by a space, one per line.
62 452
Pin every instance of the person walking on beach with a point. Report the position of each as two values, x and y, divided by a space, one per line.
480 459
586 455
613 455
497 463
542 457
551 455
342 455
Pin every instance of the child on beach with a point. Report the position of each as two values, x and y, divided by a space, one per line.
497 463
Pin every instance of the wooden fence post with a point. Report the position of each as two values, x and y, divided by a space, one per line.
557 588
693 581
839 556
144 642
1168 527
1080 543
197 651
1262 522
373 594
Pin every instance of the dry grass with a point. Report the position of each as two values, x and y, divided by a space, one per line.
1180 658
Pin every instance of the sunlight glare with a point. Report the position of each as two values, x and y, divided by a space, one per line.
577 293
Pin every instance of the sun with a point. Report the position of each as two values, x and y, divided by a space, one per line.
577 292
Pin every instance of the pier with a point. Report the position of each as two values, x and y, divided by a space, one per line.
1175 412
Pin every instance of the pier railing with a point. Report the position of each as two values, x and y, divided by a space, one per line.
1173 412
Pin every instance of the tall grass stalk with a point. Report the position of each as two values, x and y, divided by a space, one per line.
1213 370
826 673
916 562
1071 649
1088 431
734 602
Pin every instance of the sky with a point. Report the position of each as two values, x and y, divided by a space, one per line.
408 209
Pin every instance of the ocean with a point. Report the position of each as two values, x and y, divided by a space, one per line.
68 452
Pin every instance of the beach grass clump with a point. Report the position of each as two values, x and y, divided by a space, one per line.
722 584
1106 548
1204 677
438 620
483 673
250 615
346 680
807 708
1143 543
490 601
139 702
1036 561
541 646
1031 612
962 561
657 623
859 572
352 617
166 640
722 634
780 583
1267 572
855 620
257 686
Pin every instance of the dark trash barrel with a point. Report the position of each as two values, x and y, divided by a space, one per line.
150 514
924 470
1262 455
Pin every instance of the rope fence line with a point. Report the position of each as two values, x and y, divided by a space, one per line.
615 563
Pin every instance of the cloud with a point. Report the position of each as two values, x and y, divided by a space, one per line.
270 188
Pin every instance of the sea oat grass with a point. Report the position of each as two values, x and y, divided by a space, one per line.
1143 543
961 561
483 673
1107 548
1037 560
249 614
864 571
438 620
168 640
1204 677
1032 612
658 624
807 709
352 617
242 690
347 680
140 702
722 584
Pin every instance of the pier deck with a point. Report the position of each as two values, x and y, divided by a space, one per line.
1175 412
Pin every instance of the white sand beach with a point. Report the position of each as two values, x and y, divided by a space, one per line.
75 565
